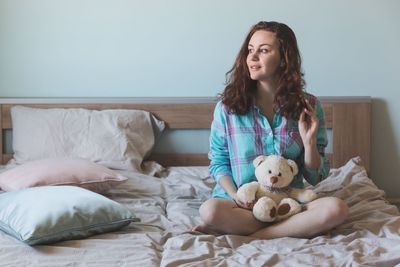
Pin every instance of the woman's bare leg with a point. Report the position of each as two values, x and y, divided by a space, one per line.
222 216
320 216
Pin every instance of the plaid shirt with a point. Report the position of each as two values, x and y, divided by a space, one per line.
236 140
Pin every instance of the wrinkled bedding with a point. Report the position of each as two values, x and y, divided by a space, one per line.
168 208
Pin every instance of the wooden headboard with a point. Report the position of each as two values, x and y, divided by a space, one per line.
348 118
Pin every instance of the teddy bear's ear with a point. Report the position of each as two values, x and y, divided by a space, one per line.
257 161
293 166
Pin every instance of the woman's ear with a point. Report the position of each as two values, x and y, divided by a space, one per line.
257 161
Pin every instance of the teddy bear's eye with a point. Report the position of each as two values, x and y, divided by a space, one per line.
280 174
269 171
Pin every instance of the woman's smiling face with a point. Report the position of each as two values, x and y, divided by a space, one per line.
264 57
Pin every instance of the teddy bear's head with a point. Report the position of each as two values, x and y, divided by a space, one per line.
274 171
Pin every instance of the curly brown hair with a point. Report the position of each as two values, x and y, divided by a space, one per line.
240 88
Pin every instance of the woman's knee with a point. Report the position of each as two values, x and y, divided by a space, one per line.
336 210
211 211
332 211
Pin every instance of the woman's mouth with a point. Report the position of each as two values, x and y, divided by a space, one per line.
255 67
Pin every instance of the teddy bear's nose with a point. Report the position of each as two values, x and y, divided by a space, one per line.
273 179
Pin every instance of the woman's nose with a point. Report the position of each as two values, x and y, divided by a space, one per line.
254 56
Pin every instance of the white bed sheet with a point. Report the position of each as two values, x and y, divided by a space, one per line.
168 208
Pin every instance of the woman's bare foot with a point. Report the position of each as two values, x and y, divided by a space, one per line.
202 228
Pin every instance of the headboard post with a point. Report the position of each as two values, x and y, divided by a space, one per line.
350 137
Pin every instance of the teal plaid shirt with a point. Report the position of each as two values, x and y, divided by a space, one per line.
236 140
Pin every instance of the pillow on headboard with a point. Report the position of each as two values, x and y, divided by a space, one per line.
115 138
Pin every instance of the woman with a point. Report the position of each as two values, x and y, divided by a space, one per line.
264 110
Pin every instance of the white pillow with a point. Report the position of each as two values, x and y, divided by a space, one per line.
115 138
48 214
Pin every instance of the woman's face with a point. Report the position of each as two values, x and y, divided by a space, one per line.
264 58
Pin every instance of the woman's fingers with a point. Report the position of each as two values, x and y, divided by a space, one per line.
240 203
309 111
309 107
308 121
301 118
246 205
250 204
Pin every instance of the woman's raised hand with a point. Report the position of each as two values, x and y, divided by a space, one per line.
308 125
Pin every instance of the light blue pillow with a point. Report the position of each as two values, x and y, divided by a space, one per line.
47 214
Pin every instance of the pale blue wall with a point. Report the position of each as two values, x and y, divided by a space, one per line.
119 48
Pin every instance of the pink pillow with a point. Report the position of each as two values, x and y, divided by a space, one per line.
60 171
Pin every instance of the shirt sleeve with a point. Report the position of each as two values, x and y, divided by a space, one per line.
219 153
315 175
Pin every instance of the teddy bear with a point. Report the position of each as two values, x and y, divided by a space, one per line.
274 199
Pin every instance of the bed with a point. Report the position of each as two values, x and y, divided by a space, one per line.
168 205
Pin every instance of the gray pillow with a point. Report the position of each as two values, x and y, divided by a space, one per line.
115 138
47 214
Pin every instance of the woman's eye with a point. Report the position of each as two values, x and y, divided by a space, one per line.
251 50
264 51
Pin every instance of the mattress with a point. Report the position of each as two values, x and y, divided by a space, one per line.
168 209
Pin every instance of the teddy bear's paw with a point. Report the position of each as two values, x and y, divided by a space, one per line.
265 210
247 192
288 207
310 195
283 209
303 195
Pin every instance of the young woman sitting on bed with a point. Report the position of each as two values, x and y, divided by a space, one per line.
264 110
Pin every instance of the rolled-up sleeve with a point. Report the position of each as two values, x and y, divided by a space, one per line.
219 153
315 175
